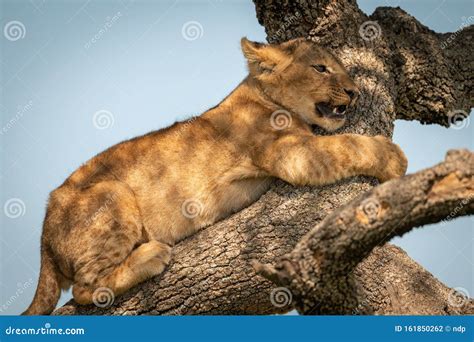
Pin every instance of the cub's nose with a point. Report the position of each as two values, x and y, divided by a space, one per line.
352 92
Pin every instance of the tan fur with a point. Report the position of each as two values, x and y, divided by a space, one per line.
112 222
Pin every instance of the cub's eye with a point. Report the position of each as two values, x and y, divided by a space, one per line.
320 68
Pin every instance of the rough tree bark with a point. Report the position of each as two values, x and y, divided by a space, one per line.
405 71
324 271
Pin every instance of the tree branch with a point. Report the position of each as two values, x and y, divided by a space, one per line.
434 83
319 271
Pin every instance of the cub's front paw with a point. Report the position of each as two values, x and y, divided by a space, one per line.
393 162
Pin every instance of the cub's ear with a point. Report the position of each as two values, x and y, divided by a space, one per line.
263 57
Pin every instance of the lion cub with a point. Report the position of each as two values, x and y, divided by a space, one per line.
113 221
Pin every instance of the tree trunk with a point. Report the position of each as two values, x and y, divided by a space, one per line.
404 70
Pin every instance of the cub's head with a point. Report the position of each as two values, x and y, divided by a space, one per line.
304 78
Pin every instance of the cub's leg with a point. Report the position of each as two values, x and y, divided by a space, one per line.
144 262
319 160
108 245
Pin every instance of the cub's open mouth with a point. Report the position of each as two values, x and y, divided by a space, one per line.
333 112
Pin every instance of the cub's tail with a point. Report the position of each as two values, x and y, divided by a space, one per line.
48 290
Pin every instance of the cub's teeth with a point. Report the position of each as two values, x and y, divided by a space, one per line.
334 110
